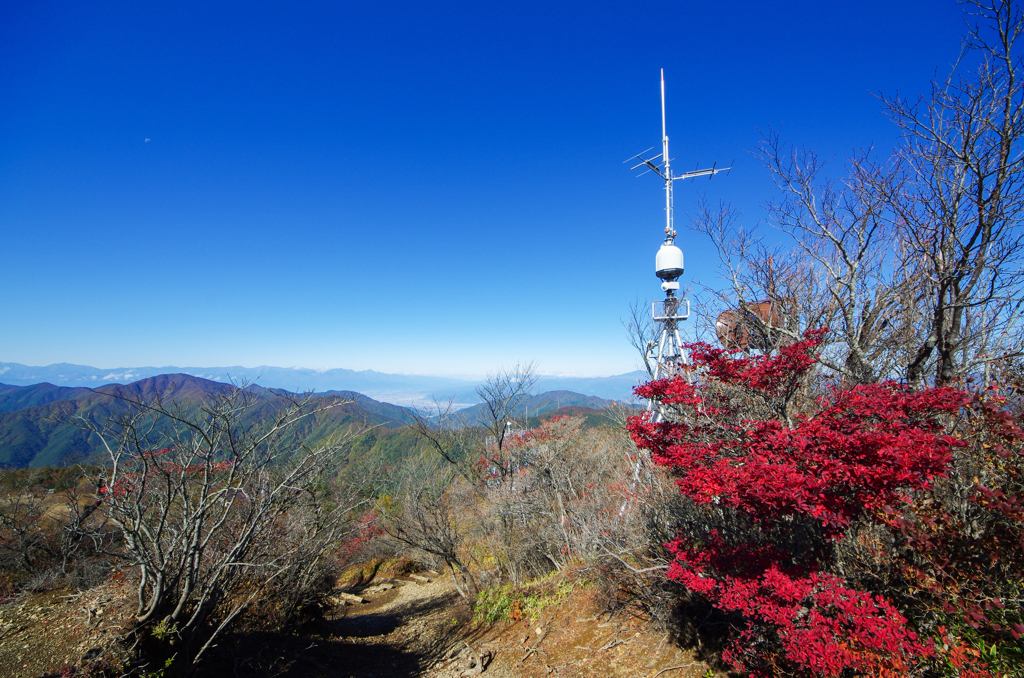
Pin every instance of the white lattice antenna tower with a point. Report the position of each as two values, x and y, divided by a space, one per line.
671 358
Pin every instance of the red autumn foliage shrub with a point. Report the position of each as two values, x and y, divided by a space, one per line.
790 478
961 547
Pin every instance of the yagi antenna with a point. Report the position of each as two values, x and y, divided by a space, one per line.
661 165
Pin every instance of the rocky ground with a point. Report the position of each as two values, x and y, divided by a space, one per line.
404 628
44 633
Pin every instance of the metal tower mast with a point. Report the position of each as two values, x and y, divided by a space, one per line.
671 359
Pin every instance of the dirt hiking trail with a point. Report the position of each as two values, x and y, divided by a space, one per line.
403 628
409 628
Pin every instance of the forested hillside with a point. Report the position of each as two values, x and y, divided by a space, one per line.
35 429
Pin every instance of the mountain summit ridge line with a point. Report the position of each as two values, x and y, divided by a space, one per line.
401 389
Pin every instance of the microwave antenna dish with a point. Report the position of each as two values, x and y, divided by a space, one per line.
670 358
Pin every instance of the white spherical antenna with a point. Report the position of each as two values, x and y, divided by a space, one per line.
668 263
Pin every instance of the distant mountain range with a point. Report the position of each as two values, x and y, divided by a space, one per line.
32 433
540 404
403 389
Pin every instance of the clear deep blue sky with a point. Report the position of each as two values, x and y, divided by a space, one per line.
407 187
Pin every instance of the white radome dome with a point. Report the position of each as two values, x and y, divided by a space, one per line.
668 264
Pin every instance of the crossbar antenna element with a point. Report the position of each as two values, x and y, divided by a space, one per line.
661 164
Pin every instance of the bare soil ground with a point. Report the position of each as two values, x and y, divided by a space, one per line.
405 628
43 633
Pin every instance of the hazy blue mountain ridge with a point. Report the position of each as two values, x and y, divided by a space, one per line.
13 398
294 379
32 432
401 389
537 405
33 435
618 388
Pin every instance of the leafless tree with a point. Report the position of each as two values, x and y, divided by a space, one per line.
205 496
956 194
451 437
840 270
458 440
26 546
552 496
642 333
914 262
849 271
429 510
431 515
53 539
503 394
87 536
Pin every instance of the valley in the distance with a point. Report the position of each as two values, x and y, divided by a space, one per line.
410 390
34 431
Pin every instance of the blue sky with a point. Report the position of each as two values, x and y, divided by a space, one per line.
431 188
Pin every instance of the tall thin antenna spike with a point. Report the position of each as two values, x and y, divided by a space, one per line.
668 166
663 104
